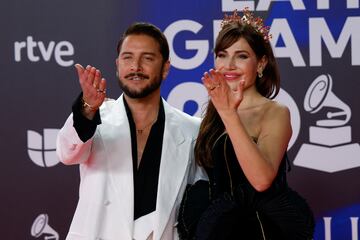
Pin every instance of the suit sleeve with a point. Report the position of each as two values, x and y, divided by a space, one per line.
84 127
70 149
74 140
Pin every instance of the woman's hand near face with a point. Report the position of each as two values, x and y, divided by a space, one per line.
224 99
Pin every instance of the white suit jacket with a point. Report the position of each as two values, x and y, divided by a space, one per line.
106 194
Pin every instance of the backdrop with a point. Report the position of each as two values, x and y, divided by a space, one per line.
316 43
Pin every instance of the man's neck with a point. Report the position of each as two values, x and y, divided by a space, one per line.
143 109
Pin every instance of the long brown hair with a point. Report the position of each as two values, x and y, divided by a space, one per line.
268 85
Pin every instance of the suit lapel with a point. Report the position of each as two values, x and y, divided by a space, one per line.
175 152
117 144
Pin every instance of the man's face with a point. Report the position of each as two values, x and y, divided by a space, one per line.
140 66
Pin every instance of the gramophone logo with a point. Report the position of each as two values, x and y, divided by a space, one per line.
41 228
330 148
42 148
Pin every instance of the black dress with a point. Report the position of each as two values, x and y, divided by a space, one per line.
233 209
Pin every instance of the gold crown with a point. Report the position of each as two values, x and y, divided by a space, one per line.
249 19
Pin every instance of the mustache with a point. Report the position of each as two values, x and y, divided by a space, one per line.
137 74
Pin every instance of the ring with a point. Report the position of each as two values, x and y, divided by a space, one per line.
214 86
101 91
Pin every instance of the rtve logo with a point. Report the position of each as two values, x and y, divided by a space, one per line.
42 148
36 51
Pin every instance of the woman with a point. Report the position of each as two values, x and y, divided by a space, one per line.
242 144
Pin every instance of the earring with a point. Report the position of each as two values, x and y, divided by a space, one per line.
117 74
260 72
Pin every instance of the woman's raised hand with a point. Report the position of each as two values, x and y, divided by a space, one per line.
223 98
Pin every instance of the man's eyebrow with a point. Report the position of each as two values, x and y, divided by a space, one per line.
149 53
124 53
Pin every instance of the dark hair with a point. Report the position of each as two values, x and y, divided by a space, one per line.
268 85
140 28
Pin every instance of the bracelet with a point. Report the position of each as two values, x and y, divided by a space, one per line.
86 105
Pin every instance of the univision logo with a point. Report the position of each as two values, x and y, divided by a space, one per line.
42 148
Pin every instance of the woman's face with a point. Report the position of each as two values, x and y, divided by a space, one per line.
239 62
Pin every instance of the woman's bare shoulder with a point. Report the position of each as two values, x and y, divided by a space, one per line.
273 108
276 114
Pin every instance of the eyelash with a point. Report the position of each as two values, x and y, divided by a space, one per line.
243 56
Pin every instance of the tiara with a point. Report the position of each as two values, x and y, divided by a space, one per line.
248 18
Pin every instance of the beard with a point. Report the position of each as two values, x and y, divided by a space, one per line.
144 92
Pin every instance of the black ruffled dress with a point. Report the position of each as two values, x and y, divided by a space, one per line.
229 208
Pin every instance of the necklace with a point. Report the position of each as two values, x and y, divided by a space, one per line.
140 131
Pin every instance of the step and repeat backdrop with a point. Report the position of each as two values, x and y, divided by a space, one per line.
316 43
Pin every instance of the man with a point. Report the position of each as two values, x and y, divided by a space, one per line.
135 153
